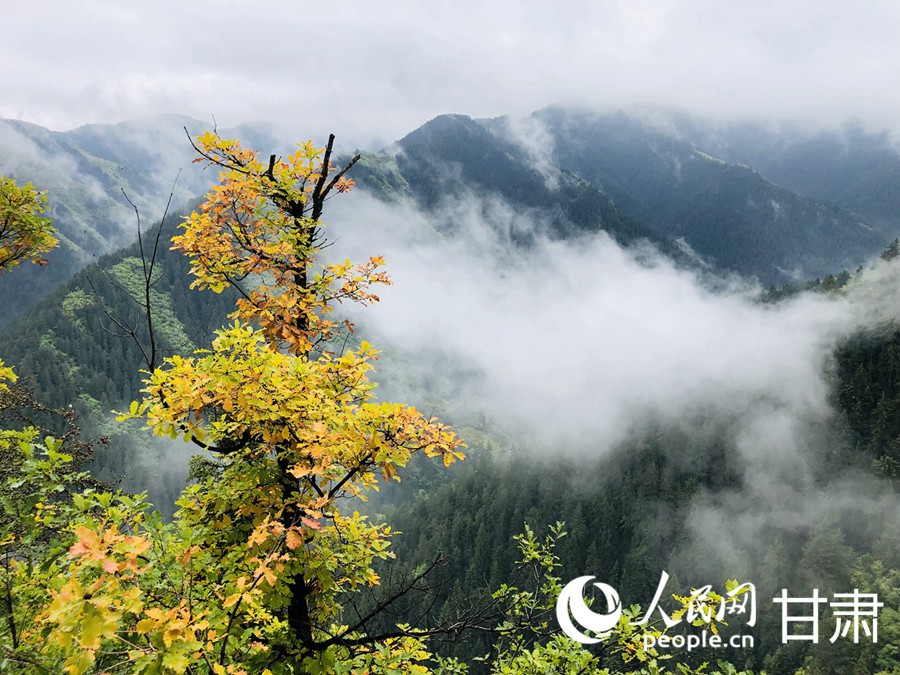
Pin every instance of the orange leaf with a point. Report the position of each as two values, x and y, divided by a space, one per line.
294 539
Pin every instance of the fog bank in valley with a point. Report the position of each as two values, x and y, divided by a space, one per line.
572 347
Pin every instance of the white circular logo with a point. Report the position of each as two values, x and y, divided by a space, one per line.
571 599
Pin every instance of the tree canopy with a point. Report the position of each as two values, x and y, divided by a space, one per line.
258 570
25 234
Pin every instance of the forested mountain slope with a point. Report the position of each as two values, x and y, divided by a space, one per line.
634 179
85 172
84 179
852 167
724 210
69 350
453 156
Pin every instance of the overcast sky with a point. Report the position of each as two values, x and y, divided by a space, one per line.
372 70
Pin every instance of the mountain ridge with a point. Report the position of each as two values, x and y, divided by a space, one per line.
669 181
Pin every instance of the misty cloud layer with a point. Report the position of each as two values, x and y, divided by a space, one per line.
584 336
85 190
573 347
373 72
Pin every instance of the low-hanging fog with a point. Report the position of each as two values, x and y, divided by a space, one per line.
580 339
571 346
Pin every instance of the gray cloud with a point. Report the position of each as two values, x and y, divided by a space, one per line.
376 70
584 336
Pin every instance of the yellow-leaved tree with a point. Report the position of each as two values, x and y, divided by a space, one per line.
25 234
260 567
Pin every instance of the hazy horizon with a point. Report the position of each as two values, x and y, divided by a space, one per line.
371 73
